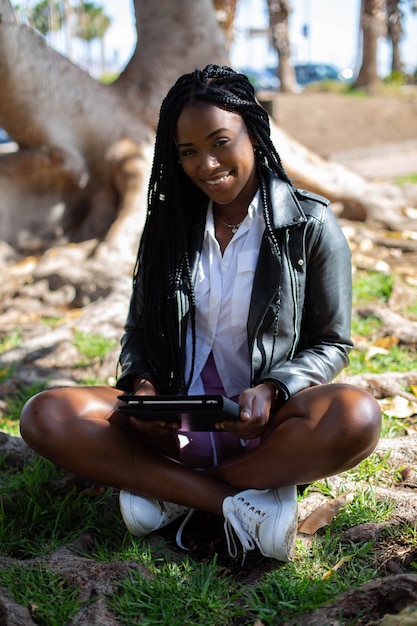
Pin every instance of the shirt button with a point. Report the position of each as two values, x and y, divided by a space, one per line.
214 302
300 262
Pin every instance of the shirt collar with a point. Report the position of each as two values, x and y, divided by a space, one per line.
254 210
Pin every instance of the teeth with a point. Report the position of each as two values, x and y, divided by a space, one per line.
217 181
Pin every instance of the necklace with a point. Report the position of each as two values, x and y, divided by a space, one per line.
234 227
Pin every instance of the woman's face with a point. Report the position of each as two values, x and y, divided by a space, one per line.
216 153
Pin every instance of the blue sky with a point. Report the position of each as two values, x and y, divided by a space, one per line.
333 34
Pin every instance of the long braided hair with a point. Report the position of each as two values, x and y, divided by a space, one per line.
175 205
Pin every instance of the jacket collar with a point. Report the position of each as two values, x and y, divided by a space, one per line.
286 209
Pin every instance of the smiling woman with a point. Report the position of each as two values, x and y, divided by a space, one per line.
217 154
242 289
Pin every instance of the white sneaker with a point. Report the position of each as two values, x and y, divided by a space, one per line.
265 518
145 515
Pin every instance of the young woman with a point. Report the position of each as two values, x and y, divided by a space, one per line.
243 288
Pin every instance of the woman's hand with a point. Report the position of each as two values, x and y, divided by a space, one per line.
143 387
255 406
153 428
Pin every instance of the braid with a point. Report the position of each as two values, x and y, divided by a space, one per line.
175 204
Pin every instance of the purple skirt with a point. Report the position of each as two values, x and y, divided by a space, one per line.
203 450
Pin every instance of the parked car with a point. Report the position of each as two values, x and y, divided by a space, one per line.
263 79
4 137
307 73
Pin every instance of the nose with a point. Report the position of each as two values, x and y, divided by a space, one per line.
208 162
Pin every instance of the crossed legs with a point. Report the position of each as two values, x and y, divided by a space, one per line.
319 432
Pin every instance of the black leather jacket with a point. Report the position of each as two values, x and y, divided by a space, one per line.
299 316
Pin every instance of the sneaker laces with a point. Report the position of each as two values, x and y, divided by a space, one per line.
178 537
232 523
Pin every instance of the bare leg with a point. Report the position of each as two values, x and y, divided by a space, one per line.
80 429
320 432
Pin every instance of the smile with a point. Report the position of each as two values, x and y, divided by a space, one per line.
217 181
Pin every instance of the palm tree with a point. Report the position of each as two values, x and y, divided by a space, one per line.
92 23
373 25
46 16
279 11
394 32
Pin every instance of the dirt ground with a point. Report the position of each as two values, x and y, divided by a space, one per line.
375 136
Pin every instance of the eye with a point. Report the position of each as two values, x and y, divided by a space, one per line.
221 142
185 152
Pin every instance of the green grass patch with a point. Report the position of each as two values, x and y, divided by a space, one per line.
366 326
10 341
52 321
92 347
397 359
6 372
49 599
9 420
318 574
42 509
372 286
179 593
407 178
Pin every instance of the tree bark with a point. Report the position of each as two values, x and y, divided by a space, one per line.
172 38
395 32
279 11
373 26
85 147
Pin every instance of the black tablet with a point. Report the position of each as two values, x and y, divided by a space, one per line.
198 413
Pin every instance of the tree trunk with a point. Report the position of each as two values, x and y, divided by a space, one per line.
373 26
85 147
279 11
172 38
395 32
225 11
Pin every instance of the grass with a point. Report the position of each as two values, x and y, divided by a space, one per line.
408 178
9 420
43 509
396 359
32 586
376 287
321 572
372 286
10 341
92 347
179 593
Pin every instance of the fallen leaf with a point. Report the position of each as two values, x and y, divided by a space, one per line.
398 406
324 514
339 564
374 351
386 342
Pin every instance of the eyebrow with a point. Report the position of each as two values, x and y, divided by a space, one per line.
215 132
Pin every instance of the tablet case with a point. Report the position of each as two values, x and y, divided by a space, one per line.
193 413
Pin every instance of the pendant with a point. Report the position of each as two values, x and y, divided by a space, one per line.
234 229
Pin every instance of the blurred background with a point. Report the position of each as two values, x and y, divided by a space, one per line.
325 36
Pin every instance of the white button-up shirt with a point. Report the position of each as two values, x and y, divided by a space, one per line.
223 289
